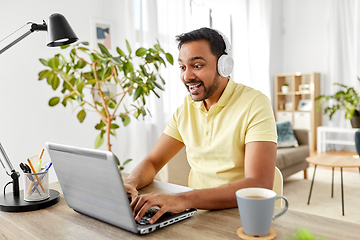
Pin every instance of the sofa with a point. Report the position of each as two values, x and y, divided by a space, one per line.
291 160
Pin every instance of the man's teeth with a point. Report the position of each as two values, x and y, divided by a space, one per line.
194 86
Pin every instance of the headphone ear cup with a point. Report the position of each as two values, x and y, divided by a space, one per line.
225 65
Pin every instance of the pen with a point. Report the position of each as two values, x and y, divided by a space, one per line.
47 167
37 178
26 169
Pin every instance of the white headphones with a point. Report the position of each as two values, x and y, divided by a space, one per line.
225 63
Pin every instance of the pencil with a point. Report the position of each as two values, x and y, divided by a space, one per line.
37 178
29 190
41 154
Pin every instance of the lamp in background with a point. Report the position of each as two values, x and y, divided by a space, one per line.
59 33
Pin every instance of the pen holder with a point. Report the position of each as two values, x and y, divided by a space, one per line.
36 186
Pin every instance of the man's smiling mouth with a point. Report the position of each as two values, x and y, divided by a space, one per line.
193 87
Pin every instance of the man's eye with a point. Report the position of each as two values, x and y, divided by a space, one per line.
182 68
198 66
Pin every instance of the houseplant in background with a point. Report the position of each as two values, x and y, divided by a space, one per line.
285 88
85 79
345 99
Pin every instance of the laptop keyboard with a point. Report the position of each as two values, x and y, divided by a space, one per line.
148 215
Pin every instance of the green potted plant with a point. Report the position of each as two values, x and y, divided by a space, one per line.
85 77
346 99
285 88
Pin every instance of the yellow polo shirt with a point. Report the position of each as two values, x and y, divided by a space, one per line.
215 139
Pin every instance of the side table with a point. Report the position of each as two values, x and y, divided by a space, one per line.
333 161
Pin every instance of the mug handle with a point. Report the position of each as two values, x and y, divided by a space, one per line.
284 209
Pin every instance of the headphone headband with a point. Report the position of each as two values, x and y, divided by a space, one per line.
226 41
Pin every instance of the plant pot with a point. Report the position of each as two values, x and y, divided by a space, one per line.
285 89
355 121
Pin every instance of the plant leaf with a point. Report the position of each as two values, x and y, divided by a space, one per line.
54 63
140 52
158 86
117 161
120 52
65 46
81 115
43 74
99 140
44 62
169 58
55 82
104 50
128 47
138 92
127 161
54 101
114 126
125 119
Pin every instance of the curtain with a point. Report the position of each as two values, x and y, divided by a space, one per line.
142 134
251 43
157 20
344 56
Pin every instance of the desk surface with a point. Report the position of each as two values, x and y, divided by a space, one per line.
61 222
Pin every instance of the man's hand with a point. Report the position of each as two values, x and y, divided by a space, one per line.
131 191
166 202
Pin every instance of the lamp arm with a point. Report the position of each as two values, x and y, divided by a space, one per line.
14 174
34 27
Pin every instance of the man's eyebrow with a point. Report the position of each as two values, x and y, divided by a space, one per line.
193 58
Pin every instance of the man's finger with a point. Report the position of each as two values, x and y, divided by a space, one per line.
141 212
158 214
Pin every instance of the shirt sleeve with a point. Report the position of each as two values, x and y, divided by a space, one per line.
172 127
261 121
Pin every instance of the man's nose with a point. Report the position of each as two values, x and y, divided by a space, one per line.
188 74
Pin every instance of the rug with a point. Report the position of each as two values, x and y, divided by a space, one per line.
296 190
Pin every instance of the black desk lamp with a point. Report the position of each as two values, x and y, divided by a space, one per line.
59 33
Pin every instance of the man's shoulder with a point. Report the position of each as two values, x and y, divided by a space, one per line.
247 92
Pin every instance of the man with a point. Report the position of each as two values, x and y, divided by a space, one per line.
228 130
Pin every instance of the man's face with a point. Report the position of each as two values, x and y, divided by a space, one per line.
198 70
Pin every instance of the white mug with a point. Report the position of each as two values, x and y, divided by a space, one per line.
256 208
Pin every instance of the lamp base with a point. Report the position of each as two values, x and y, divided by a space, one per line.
10 204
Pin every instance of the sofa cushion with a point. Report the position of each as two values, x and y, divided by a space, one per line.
286 137
289 156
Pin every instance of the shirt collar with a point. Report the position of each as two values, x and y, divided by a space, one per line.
224 98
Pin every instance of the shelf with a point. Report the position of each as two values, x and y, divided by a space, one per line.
303 89
302 111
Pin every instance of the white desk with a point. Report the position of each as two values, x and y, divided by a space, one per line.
322 139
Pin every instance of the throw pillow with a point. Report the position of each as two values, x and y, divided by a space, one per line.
286 137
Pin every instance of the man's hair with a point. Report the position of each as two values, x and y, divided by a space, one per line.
215 40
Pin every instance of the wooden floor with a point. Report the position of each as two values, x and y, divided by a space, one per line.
314 153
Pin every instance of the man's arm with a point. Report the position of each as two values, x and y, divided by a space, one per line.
260 160
144 173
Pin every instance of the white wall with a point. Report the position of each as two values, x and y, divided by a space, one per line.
27 121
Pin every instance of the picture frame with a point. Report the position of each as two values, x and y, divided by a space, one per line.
106 88
304 88
101 32
304 105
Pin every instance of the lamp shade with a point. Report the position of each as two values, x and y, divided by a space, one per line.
59 31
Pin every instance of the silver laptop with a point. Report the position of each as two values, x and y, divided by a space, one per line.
92 185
